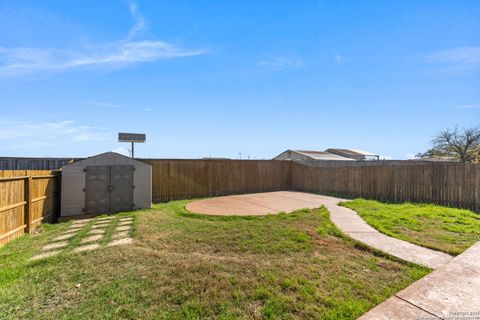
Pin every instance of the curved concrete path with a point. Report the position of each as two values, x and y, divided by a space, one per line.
346 220
452 291
352 224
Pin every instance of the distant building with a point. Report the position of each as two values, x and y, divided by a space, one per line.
215 158
437 159
327 155
304 155
23 163
354 154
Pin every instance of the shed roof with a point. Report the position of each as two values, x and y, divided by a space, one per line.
106 156
352 152
322 155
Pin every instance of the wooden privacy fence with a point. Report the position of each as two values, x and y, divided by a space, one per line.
183 179
452 184
27 198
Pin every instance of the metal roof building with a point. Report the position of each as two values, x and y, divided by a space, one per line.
305 155
354 154
32 163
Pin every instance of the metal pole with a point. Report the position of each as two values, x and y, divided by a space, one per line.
133 149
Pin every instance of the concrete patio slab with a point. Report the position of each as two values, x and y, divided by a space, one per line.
91 238
450 292
44 255
88 247
70 231
96 231
55 245
75 227
346 220
254 204
65 236
120 235
105 218
123 228
100 226
396 308
120 242
81 222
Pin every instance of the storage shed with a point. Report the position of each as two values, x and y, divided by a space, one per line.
106 183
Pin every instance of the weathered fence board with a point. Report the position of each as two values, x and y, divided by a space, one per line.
21 163
451 184
27 198
183 179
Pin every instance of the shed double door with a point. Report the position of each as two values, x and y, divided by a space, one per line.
108 189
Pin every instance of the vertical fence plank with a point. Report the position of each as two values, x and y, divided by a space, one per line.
454 184
28 206
27 197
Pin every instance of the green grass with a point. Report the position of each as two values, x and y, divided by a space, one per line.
441 228
188 266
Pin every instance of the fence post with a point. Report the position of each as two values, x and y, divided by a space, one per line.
28 205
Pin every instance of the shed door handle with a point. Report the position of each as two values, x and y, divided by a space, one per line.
110 188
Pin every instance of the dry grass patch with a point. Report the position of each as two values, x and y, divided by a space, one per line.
186 266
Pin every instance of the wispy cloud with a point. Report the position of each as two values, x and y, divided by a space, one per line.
102 104
21 134
122 150
456 61
281 63
468 106
140 24
339 58
15 61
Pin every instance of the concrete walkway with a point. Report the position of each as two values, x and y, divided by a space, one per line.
352 224
450 292
92 233
346 220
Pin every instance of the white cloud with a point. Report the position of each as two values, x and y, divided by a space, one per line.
23 134
281 63
468 106
102 104
140 24
456 61
122 150
410 155
15 61
339 59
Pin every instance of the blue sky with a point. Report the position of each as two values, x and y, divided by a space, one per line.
219 78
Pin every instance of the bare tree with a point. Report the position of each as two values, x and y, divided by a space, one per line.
462 144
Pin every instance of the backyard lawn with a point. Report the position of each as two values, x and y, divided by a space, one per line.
186 266
441 228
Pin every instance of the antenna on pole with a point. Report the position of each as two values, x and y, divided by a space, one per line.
132 138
